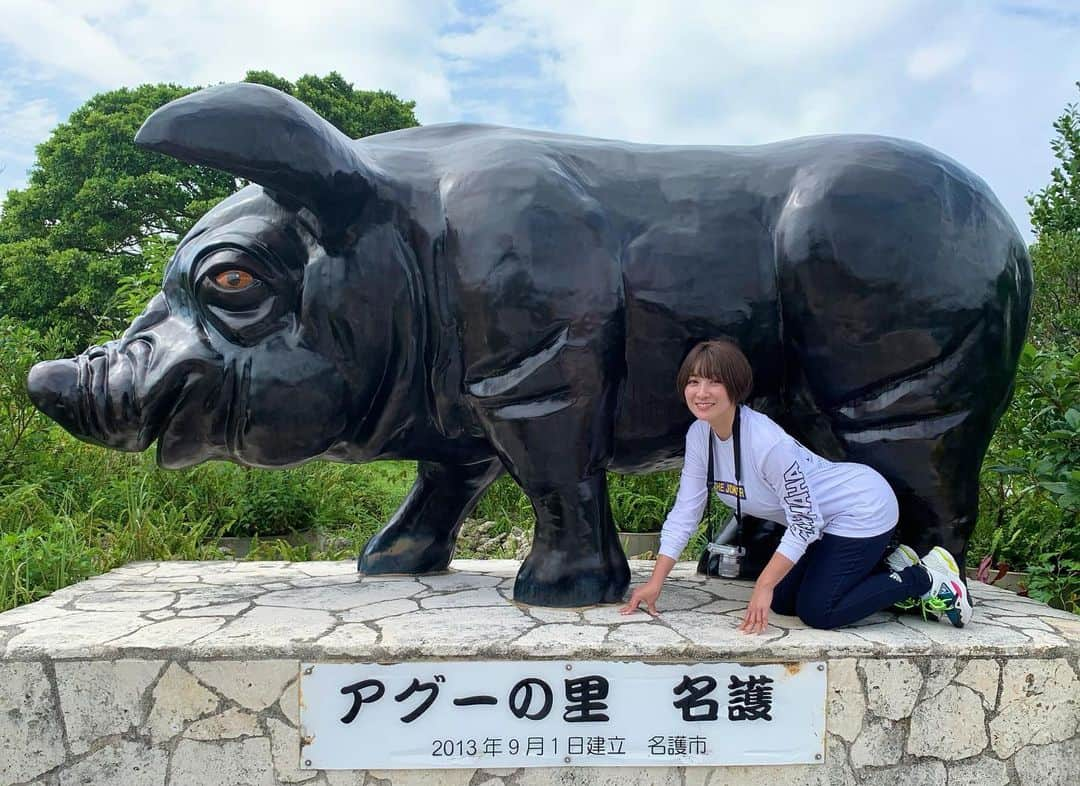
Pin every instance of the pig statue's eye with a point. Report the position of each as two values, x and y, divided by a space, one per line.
242 293
234 280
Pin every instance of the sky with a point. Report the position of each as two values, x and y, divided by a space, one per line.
981 81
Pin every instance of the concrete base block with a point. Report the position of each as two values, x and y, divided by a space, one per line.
170 674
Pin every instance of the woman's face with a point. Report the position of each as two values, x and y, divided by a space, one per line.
707 398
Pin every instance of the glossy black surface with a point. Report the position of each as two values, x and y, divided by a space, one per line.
486 299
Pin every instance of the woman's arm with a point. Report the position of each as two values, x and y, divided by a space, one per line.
685 515
680 524
757 610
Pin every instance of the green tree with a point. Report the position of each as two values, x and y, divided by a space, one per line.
356 112
1055 217
1056 208
97 208
21 426
1030 513
1055 317
92 200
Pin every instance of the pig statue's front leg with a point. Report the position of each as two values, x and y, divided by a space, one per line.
555 433
576 558
420 537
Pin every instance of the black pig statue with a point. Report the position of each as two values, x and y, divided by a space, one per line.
487 300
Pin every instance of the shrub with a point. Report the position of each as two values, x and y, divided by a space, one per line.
640 503
1030 515
272 503
21 426
506 505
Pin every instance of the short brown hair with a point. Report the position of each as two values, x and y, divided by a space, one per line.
721 360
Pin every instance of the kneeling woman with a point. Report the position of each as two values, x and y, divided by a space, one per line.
840 517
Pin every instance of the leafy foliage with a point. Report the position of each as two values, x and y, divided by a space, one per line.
1055 216
1056 208
271 503
641 503
70 510
21 426
1055 318
355 112
1030 500
1031 479
92 201
94 191
99 212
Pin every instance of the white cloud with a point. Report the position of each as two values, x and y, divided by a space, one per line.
66 42
27 123
993 82
385 45
709 72
109 43
932 61
76 48
982 83
22 126
485 42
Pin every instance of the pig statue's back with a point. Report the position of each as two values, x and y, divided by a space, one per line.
874 282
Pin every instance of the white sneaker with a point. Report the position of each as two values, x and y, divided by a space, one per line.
947 594
902 557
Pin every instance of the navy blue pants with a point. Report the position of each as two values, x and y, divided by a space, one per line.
835 582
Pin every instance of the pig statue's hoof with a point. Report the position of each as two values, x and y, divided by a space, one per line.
413 553
556 580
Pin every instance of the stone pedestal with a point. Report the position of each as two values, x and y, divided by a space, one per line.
186 673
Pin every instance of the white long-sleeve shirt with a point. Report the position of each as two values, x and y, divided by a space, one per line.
782 481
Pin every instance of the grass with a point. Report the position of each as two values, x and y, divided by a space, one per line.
69 510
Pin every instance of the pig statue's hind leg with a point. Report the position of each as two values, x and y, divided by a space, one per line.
904 315
931 463
420 537
926 432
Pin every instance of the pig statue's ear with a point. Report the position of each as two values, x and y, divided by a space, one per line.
270 138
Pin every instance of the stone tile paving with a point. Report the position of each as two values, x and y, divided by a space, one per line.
186 673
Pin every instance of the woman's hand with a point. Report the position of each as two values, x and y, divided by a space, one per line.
757 611
647 594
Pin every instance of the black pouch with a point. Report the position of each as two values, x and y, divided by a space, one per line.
759 538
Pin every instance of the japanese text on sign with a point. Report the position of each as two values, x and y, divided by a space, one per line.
548 713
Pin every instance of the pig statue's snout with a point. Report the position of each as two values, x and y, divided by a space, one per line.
93 396
53 386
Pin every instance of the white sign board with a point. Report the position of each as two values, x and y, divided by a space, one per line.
429 715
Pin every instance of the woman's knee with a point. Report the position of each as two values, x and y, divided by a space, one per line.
783 604
815 612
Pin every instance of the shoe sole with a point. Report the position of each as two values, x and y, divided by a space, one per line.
960 602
